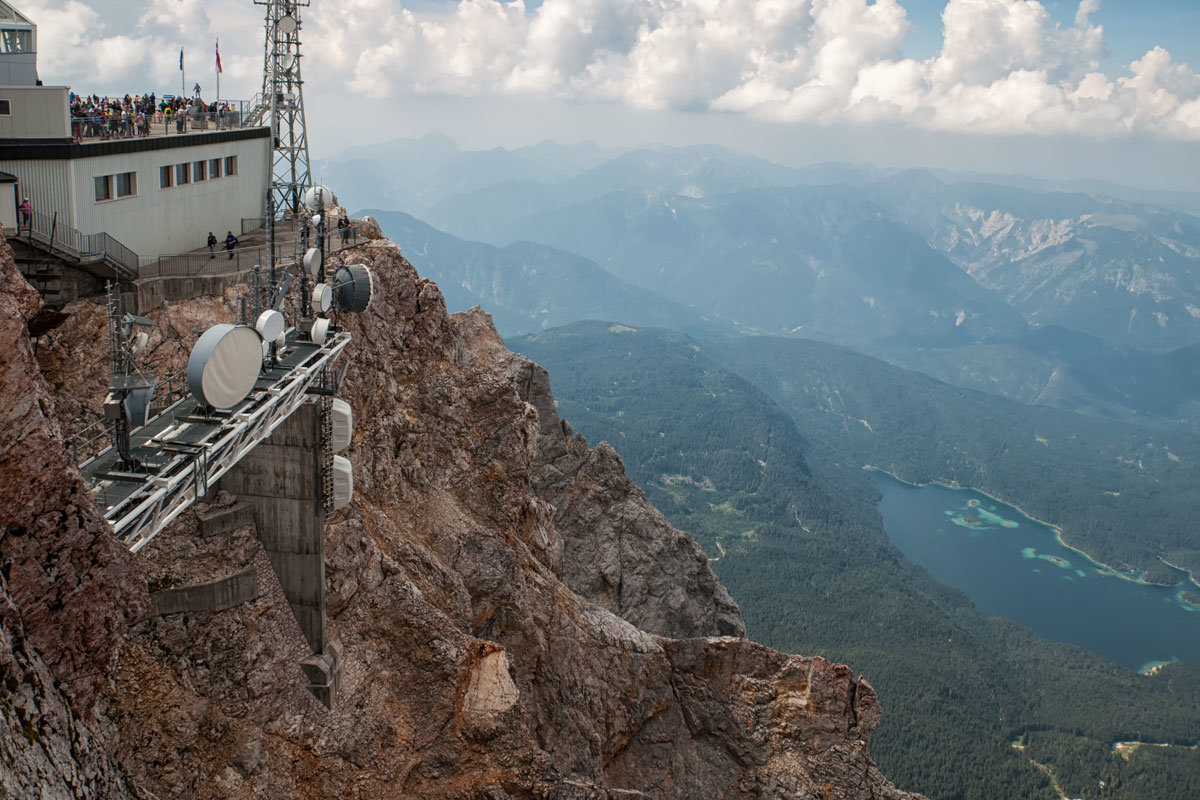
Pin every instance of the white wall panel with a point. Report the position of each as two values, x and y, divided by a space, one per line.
176 220
47 184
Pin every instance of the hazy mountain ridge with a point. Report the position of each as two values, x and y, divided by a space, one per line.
1123 272
527 287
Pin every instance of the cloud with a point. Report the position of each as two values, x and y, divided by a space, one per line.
1004 66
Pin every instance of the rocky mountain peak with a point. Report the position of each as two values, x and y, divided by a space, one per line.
515 619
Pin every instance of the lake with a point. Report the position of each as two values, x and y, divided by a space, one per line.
1015 567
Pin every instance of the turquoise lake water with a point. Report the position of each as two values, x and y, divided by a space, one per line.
1015 567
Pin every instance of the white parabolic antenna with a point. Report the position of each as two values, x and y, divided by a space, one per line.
320 329
288 24
224 365
270 325
322 298
312 261
342 417
343 482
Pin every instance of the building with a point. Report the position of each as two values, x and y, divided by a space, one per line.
107 195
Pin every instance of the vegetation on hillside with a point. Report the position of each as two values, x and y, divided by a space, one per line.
974 707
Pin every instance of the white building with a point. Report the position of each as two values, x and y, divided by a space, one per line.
157 195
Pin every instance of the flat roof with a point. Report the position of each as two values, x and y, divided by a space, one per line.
41 149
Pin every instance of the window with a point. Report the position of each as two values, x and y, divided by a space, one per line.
214 168
16 41
231 165
198 171
5 108
126 184
181 174
103 187
164 177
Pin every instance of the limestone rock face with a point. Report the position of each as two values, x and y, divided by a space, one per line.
496 588
67 591
619 551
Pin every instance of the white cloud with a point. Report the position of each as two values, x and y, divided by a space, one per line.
1004 67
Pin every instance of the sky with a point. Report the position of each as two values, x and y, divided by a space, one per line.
1105 89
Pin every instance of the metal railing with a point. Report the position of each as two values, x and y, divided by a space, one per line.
53 233
242 258
101 127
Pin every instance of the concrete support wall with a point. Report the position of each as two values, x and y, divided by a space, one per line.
213 596
278 479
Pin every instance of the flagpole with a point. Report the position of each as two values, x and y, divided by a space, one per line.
182 76
218 72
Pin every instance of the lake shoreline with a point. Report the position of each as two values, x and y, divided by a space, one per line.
1058 534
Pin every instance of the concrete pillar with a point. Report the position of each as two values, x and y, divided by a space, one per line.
279 479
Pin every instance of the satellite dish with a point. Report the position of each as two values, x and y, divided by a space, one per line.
318 197
224 365
316 220
322 298
352 287
270 325
139 343
320 329
312 261
343 482
342 417
288 24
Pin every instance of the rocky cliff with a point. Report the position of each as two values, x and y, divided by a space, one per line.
516 620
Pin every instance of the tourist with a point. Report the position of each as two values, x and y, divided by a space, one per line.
230 243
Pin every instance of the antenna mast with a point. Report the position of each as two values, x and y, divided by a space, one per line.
283 93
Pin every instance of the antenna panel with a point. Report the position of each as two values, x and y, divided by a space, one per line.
342 417
343 482
224 365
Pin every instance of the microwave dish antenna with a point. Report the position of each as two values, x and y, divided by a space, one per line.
352 288
224 365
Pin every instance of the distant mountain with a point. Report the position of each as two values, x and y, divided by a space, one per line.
824 260
1126 273
412 175
527 287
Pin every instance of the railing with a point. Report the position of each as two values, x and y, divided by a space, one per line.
84 247
241 258
101 127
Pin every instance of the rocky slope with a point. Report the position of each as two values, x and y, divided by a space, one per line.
516 620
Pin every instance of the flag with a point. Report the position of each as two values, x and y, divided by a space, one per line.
218 55
181 59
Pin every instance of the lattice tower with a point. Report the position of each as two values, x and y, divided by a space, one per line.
283 94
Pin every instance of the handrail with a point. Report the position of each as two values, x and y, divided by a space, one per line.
54 233
287 252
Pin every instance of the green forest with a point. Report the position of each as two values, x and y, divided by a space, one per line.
754 447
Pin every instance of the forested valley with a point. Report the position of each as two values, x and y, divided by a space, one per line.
757 447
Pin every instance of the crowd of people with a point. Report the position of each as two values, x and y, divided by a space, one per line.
96 117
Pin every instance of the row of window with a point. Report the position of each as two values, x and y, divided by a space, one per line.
124 183
109 187
196 171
